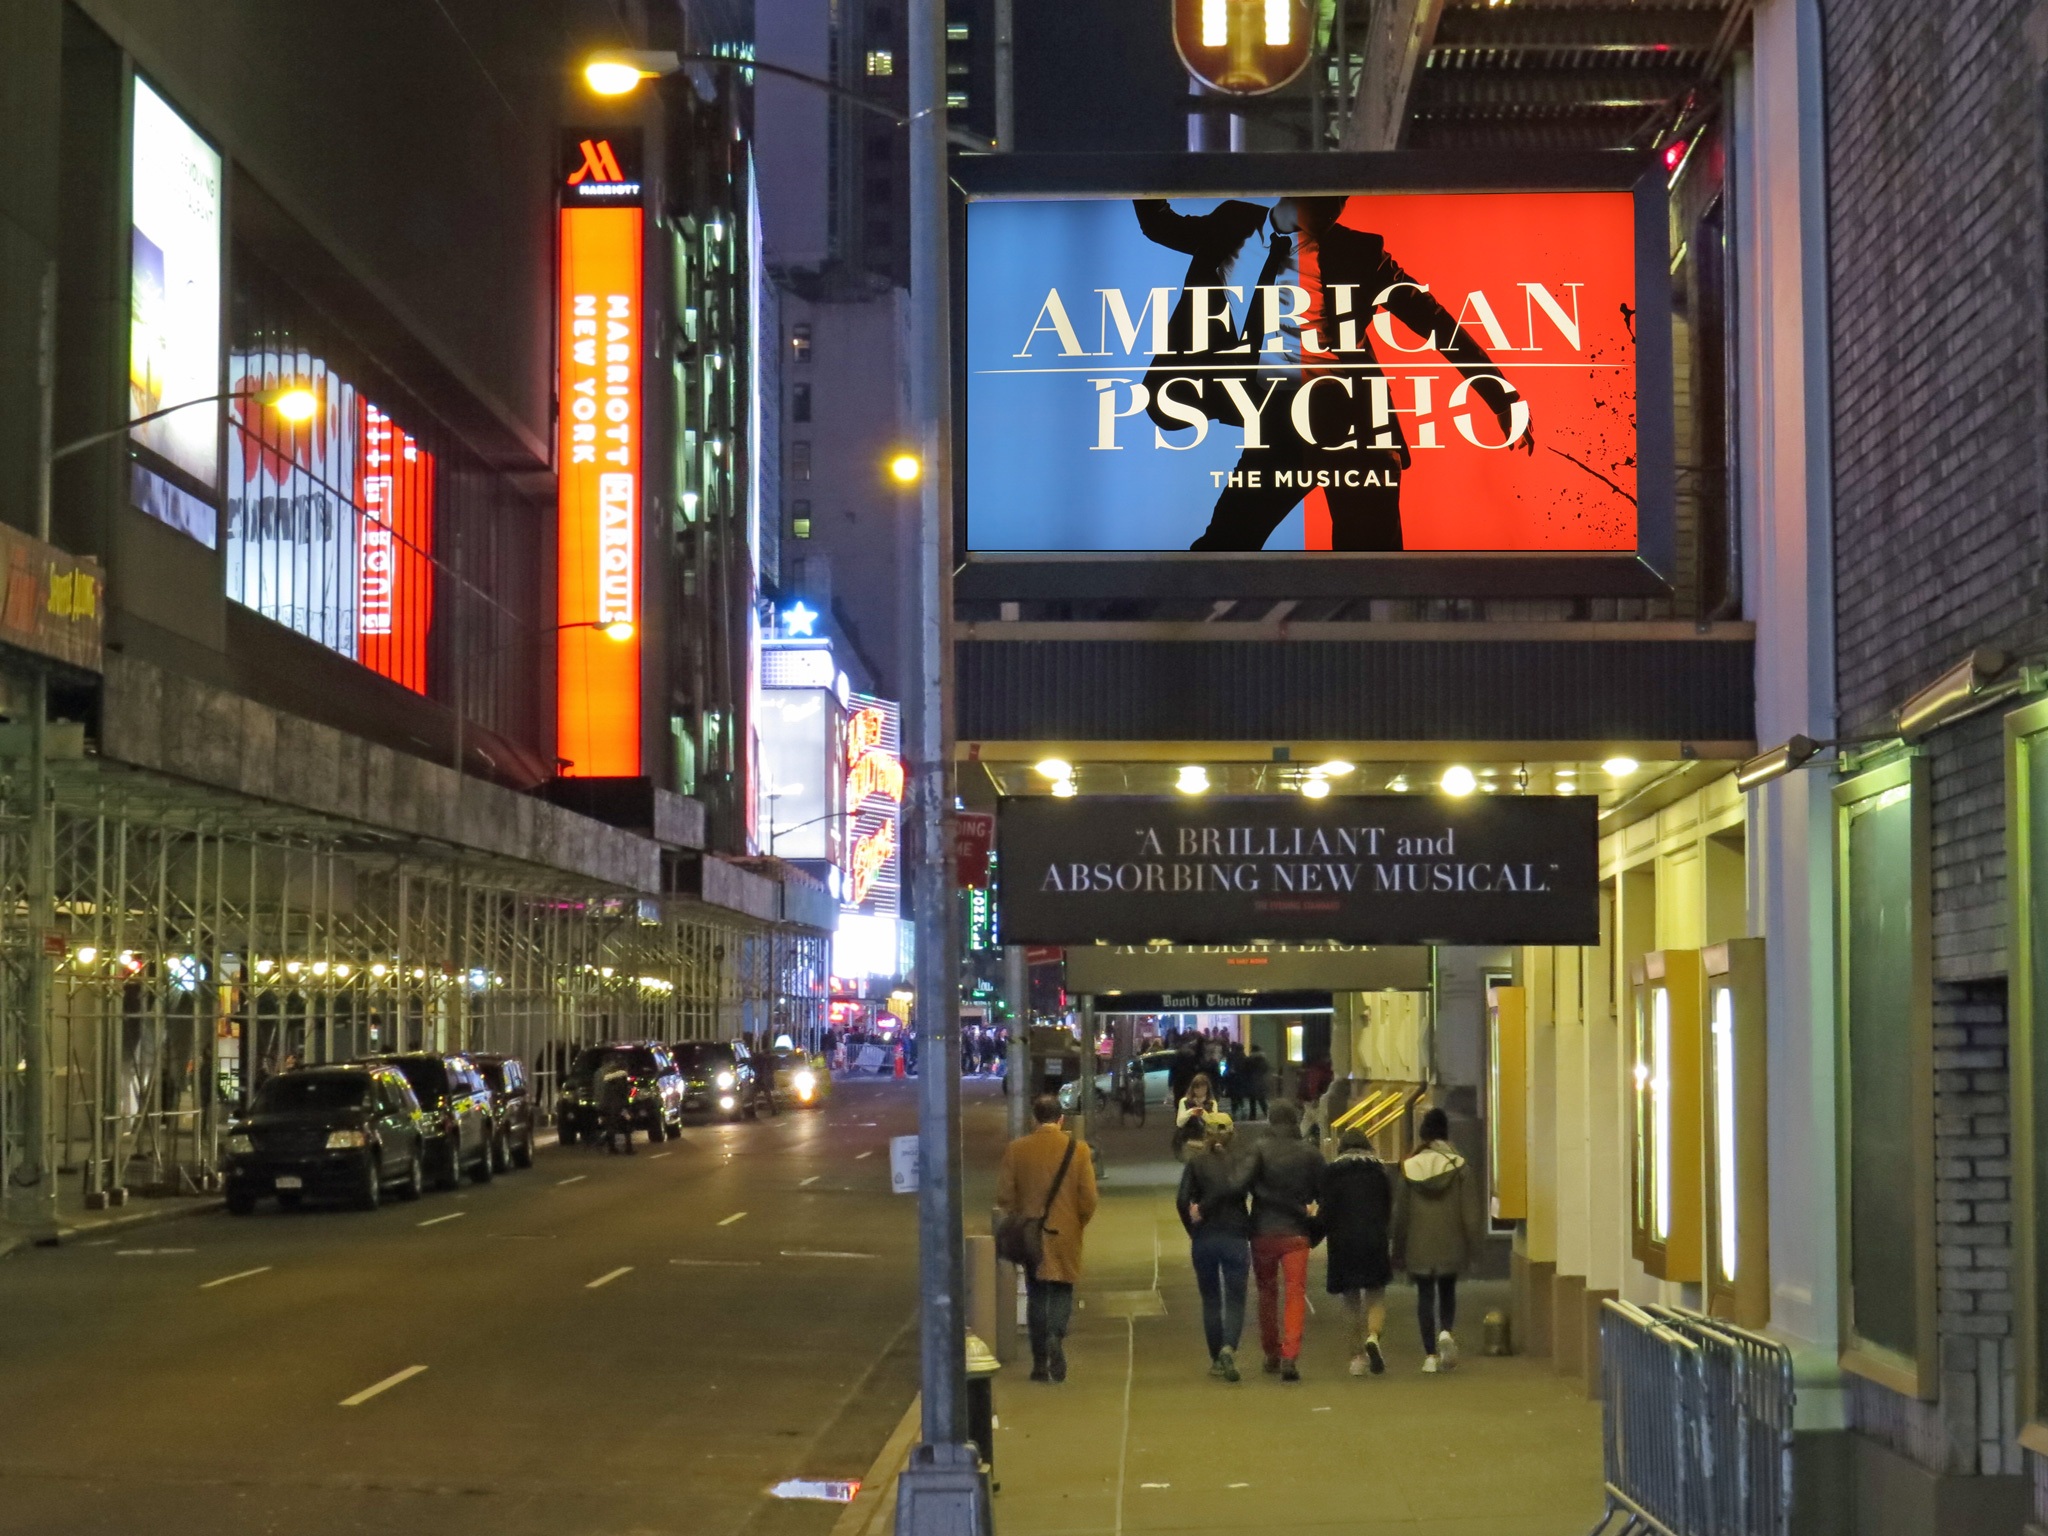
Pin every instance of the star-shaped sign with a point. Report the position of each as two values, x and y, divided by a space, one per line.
798 621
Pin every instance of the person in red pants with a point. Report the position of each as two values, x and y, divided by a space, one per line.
1282 1178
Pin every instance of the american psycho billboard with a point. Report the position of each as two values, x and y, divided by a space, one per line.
1272 373
1359 869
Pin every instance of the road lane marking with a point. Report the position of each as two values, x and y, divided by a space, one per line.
735 1216
261 1269
575 1179
718 1263
800 1183
821 1253
139 1253
859 1155
385 1385
435 1221
659 1156
623 1269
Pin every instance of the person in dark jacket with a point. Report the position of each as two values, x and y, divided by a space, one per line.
1257 1082
615 1104
1219 1225
1283 1178
1357 1205
1438 1233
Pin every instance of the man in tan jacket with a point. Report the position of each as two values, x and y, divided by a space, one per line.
1025 1186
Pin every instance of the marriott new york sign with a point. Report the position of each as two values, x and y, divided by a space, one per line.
1370 869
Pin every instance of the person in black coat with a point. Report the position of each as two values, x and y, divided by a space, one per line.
1356 1206
1219 1226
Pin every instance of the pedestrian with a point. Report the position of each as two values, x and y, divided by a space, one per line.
1049 1176
1283 1178
1356 1209
1233 1079
614 1104
1437 1235
1219 1228
1188 1114
1255 1082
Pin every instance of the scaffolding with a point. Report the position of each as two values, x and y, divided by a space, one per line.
202 941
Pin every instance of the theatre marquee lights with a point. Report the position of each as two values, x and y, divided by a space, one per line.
598 455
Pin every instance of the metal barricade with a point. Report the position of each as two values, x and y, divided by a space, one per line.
1698 1426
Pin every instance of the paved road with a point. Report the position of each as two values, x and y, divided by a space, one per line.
595 1345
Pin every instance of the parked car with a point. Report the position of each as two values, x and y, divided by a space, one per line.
799 1081
511 1110
654 1086
718 1079
460 1122
345 1131
1157 1067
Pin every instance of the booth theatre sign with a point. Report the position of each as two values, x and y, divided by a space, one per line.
1370 869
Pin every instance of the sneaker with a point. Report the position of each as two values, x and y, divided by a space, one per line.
1429 1365
1058 1365
1272 1366
1288 1371
1228 1360
1216 1367
1448 1348
1378 1360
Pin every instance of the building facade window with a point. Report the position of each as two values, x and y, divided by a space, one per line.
799 402
800 461
1885 1052
881 61
800 342
800 519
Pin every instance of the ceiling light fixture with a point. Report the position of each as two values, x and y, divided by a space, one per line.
1336 768
1458 780
1619 767
1315 789
1064 789
1192 780
1056 768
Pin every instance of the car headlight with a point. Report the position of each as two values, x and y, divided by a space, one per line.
239 1142
805 1082
726 1102
342 1140
726 1079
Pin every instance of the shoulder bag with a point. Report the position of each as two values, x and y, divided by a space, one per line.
1020 1239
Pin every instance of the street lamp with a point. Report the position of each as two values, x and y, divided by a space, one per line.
619 71
294 402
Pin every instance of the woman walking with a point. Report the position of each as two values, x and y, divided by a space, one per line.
1356 1209
1219 1226
1199 1102
1437 1234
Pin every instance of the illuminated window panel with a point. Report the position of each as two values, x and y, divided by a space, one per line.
1667 1079
1507 1110
1738 1269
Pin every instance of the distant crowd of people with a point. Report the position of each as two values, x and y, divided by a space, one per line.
1255 1217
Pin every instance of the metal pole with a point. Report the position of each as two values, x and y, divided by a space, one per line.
944 1491
1084 1093
1017 986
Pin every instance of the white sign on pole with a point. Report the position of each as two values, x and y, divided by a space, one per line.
903 1165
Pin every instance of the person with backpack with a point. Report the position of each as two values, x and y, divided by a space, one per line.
1356 1210
1283 1178
1438 1233
1219 1228
1045 1196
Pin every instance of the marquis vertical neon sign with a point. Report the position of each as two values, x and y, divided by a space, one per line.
598 457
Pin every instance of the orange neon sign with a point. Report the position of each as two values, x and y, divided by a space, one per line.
394 560
598 454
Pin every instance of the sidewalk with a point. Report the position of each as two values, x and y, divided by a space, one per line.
1140 1439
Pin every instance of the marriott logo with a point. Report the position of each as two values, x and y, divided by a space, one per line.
615 549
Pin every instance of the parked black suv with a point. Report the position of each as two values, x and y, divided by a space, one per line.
349 1131
460 1123
718 1079
511 1110
656 1105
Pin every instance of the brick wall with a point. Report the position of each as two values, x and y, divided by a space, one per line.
1935 212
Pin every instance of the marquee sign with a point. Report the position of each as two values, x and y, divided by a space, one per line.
598 455
1371 869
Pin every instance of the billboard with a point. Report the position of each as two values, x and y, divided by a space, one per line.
874 799
1264 367
802 752
1357 869
174 350
598 454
